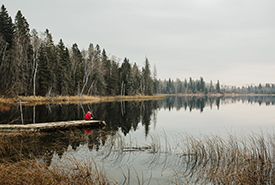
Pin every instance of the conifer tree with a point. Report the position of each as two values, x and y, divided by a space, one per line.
100 84
7 69
113 79
218 89
179 86
47 68
64 82
155 80
77 69
147 79
202 85
6 28
43 71
23 53
185 85
126 78
136 74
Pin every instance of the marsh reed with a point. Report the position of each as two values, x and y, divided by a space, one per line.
248 159
215 160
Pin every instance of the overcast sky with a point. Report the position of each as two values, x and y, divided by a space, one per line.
228 40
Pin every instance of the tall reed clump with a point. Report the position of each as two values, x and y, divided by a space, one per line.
215 160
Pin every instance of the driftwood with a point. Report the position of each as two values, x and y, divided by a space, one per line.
50 126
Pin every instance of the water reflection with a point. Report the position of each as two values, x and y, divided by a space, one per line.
199 103
43 146
121 117
124 115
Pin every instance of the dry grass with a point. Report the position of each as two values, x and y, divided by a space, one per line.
31 172
31 100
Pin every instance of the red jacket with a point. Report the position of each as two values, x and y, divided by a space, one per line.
88 116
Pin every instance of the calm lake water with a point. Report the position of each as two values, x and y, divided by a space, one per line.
137 126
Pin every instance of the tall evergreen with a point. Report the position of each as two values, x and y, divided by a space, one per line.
147 79
98 78
77 69
64 82
112 78
218 88
6 29
155 80
23 53
7 70
136 74
125 77
47 68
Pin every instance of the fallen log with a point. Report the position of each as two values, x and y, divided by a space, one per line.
40 127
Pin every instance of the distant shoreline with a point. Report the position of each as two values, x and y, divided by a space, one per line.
31 100
217 95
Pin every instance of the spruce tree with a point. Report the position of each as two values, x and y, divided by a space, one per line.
100 84
77 69
147 79
47 68
113 79
136 79
63 69
43 71
125 77
23 53
6 28
7 69
218 89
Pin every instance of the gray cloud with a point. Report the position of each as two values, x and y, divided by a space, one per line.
229 40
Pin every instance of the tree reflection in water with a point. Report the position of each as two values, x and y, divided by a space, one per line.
122 117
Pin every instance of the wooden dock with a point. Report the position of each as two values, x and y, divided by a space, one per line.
40 127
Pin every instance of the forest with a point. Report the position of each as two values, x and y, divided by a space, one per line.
31 64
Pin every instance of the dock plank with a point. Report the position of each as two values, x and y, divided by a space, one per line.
50 126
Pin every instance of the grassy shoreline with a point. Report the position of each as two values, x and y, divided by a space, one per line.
76 99
96 99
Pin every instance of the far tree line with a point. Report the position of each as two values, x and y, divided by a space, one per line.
188 86
32 64
200 86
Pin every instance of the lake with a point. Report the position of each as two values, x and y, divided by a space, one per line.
141 142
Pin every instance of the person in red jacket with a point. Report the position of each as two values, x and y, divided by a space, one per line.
88 116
